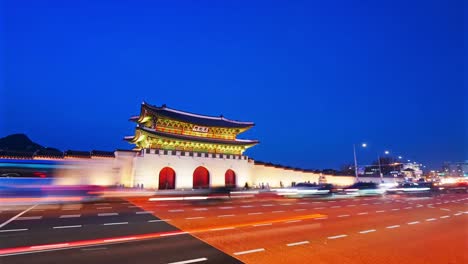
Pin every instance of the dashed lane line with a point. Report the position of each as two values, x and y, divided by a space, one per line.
249 251
17 216
279 211
297 243
189 261
380 211
445 216
430 219
176 210
116 223
256 213
367 231
144 212
28 218
200 209
14 230
393 226
363 213
103 208
338 236
195 217
413 223
70 216
108 214
63 227
221 228
346 215
227 215
158 220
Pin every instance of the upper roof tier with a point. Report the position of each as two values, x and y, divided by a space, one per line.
202 120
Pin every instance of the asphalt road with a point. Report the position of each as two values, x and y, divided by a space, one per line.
388 229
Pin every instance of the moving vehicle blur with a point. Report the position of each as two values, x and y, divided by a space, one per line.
362 189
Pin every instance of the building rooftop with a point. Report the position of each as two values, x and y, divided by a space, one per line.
203 120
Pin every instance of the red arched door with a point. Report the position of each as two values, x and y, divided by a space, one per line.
166 179
201 178
230 178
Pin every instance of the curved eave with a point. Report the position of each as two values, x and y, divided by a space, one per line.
246 143
202 120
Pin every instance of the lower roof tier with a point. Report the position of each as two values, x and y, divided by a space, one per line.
150 138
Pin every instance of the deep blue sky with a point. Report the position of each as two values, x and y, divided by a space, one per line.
315 76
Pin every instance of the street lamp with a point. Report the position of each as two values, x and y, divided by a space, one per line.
355 160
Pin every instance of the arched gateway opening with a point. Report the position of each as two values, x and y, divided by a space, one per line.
166 179
201 178
230 178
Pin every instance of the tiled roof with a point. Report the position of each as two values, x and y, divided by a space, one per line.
202 120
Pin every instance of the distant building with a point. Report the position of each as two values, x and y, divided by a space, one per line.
455 169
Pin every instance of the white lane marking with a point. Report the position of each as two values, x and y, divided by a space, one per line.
317 208
195 217
332 201
413 223
363 213
116 223
70 226
376 203
107 214
297 243
221 228
364 204
419 205
103 208
201 209
317 202
189 261
445 216
29 218
16 216
409 207
380 211
351 205
228 215
279 211
266 224
285 204
225 207
345 215
457 214
246 206
14 230
70 216
267 205
321 218
395 209
297 210
144 212
158 220
303 203
338 236
444 209
257 213
92 249
176 210
336 206
367 231
430 219
393 226
249 251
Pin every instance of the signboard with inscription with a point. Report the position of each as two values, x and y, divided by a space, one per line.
200 129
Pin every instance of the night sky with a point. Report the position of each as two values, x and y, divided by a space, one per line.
315 76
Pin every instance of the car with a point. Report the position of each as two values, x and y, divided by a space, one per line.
411 188
362 189
305 189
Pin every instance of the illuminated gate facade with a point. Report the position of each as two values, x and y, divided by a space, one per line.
201 178
166 179
230 178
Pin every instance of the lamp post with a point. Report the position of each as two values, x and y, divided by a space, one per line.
355 160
